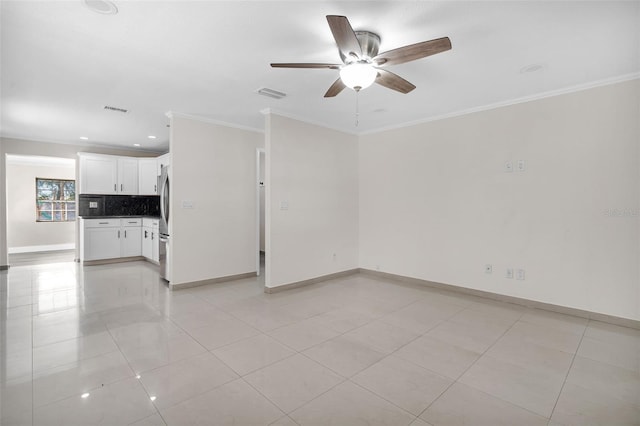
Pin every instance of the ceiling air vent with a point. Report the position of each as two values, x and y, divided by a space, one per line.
110 108
265 91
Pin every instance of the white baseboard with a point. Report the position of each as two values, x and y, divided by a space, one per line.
611 319
50 247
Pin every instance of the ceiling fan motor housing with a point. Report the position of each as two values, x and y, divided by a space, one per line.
369 43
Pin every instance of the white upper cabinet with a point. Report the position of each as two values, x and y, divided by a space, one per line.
108 174
112 174
163 160
127 176
98 174
148 176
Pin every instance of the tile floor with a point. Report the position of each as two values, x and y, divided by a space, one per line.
42 257
111 345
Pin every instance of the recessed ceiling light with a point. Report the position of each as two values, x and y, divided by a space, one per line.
85 395
84 138
531 68
101 6
153 398
136 144
151 137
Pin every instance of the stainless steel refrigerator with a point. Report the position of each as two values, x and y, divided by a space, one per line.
165 240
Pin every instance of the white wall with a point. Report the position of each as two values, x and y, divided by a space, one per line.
27 147
4 262
262 203
23 232
315 171
436 204
214 168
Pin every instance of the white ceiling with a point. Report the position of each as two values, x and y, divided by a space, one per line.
62 63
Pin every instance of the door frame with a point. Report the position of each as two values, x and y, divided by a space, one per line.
259 151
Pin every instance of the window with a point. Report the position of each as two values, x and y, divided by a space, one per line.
55 200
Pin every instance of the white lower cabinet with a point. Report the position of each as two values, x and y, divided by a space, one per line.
101 243
110 238
131 238
147 250
155 244
150 240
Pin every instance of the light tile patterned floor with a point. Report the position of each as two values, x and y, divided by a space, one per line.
111 345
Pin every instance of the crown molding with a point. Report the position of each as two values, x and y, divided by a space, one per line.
267 111
86 144
543 95
172 114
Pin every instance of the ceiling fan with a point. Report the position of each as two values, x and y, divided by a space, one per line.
362 65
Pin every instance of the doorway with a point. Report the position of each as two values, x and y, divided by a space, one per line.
260 213
41 209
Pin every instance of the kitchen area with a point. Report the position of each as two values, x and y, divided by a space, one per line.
123 209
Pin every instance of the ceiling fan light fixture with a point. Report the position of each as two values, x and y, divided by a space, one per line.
358 75
104 7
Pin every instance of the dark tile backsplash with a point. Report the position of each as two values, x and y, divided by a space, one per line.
119 205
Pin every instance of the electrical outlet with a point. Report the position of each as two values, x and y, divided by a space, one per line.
520 274
509 273
488 269
521 166
334 257
508 167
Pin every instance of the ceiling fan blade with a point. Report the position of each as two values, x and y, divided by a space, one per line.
303 65
413 52
394 82
344 35
335 88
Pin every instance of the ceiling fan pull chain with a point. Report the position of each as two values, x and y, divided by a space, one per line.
357 108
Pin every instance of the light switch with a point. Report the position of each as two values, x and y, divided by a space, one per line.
521 166
508 167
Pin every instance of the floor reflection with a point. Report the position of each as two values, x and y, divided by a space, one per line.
111 345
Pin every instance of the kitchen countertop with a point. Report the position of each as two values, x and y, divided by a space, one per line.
118 217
